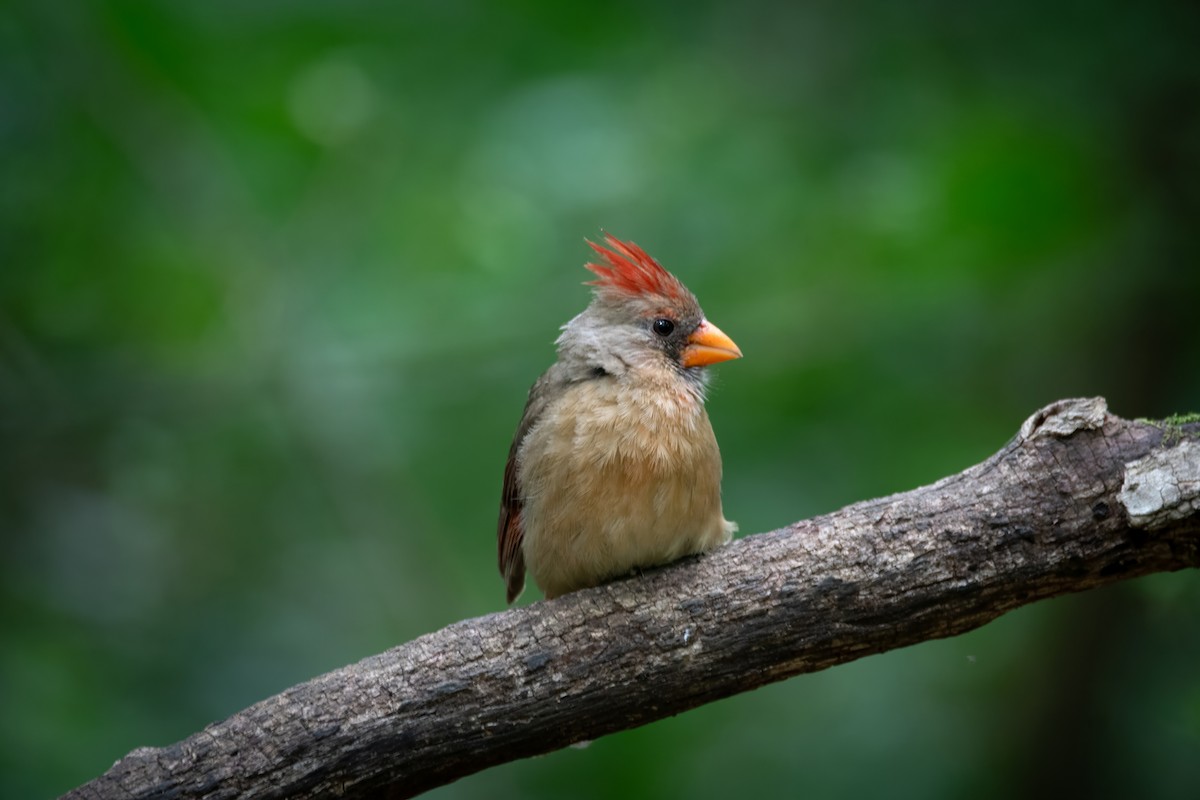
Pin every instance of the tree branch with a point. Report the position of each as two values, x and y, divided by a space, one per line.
1078 499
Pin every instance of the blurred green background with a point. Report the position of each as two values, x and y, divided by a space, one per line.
276 276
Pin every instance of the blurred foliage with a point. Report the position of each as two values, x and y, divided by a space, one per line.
275 277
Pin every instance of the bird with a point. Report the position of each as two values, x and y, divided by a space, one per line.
614 466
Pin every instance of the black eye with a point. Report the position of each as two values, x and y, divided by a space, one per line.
663 326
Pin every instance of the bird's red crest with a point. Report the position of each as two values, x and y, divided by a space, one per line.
628 269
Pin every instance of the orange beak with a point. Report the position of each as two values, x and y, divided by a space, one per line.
708 344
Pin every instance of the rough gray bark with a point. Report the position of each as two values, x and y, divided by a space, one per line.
1079 498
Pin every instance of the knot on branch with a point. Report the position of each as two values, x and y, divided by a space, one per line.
1065 417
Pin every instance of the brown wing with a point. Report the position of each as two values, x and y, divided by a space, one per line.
509 533
509 530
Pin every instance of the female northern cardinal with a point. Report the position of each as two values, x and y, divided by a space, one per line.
614 465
